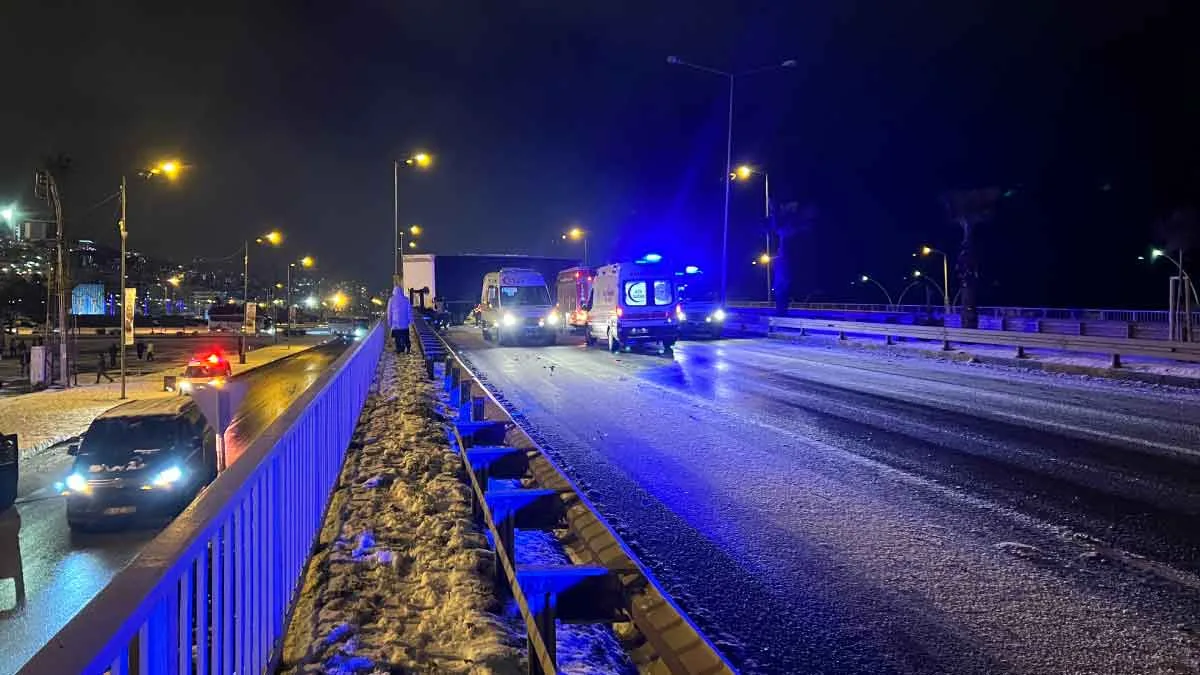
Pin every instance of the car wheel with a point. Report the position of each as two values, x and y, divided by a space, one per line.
614 345
80 526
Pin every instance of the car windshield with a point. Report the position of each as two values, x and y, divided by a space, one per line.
697 291
516 296
121 439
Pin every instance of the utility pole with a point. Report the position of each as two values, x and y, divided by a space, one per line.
124 301
245 302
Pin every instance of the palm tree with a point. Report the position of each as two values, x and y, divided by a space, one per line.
787 221
967 209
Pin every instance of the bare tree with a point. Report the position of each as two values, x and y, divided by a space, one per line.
968 209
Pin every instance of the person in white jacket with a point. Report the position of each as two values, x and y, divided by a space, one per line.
399 315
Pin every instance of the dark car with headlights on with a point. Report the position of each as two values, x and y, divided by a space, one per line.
141 461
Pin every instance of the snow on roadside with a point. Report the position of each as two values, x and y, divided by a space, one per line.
42 419
401 577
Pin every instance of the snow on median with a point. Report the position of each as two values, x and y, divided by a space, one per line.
401 577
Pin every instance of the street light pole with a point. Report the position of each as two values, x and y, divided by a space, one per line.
675 60
728 188
245 302
927 250
396 220
124 234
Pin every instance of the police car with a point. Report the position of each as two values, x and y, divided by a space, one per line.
202 372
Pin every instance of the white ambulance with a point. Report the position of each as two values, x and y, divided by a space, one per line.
515 305
633 303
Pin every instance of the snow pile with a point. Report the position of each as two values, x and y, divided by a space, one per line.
44 418
401 578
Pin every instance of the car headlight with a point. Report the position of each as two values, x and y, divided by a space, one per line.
718 315
508 320
552 319
360 331
185 386
76 483
167 477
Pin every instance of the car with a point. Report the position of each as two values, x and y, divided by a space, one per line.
204 371
144 460
700 313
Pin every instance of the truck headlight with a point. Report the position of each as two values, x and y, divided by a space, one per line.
167 476
718 315
508 320
552 319
185 386
76 483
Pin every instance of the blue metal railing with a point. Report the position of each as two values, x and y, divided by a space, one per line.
211 593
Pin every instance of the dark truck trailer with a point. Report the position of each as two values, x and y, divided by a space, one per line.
457 280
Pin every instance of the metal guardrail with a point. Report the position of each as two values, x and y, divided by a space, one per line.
211 593
608 585
1115 347
1059 313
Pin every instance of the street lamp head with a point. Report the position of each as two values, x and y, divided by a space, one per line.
574 233
1155 253
789 63
744 171
865 278
175 281
916 274
307 261
274 238
420 160
414 230
926 250
412 244
278 285
8 213
673 60
764 258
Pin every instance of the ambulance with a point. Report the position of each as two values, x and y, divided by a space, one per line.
515 306
633 303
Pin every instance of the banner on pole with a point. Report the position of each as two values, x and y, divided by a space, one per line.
249 327
127 308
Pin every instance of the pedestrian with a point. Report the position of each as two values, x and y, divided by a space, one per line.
112 355
399 314
141 349
149 351
100 370
24 361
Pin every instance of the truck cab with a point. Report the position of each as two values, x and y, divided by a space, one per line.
515 306
633 304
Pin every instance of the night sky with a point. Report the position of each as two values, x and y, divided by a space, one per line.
564 112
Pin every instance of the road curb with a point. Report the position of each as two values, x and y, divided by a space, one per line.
959 356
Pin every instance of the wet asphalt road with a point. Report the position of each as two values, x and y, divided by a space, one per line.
822 510
60 570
